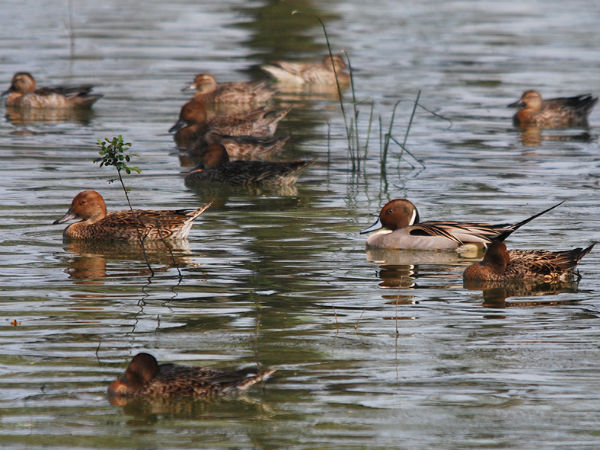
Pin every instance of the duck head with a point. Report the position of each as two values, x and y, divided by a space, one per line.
193 112
140 371
395 214
88 206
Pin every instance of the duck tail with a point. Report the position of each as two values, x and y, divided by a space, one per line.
512 228
251 380
581 253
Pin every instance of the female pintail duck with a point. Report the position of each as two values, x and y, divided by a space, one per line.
97 224
553 113
215 167
500 264
323 73
399 228
144 377
23 93
240 147
243 92
192 123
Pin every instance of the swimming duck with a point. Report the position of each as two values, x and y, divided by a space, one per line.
245 92
552 113
399 228
500 264
298 73
97 224
215 167
193 123
24 93
144 377
240 147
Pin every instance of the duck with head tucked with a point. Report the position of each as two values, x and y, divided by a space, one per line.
97 224
215 167
559 112
500 264
144 377
302 73
240 147
193 123
242 92
23 92
398 227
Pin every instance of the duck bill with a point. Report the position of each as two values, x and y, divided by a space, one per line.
376 226
6 92
191 87
70 215
178 126
517 104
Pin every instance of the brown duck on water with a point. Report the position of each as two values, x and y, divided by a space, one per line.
500 264
97 224
23 92
192 123
242 92
559 112
144 377
215 167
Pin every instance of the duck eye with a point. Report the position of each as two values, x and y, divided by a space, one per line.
389 211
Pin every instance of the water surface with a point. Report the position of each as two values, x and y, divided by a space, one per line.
369 354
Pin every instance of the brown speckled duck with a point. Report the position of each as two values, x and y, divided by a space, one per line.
398 227
243 92
500 264
23 92
192 123
144 377
301 73
215 167
240 147
97 224
559 112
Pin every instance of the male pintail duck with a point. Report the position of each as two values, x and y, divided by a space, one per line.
215 167
144 377
97 224
23 93
553 113
500 264
193 122
323 73
399 228
240 147
243 92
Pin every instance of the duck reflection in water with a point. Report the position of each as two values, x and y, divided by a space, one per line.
30 116
533 137
401 268
495 294
87 263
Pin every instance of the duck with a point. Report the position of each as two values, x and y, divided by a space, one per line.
242 92
193 122
558 112
303 73
500 264
215 167
398 227
240 147
144 377
98 225
23 92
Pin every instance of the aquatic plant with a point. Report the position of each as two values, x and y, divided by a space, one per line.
114 152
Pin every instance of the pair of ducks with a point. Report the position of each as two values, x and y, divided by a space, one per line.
398 227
